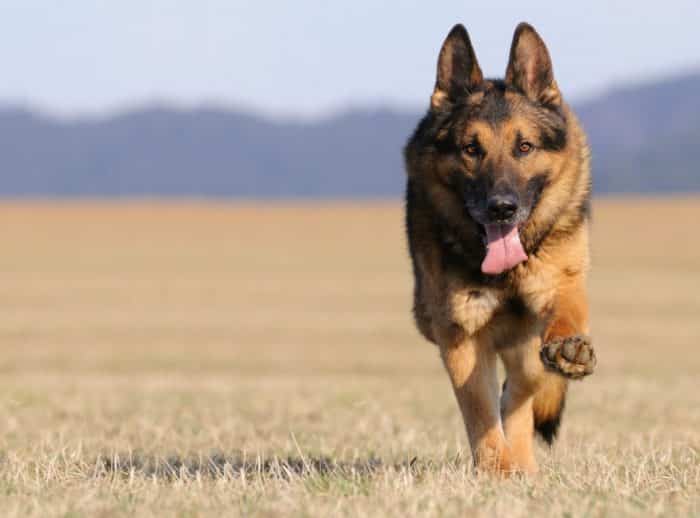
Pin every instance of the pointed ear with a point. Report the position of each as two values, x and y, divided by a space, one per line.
530 67
458 71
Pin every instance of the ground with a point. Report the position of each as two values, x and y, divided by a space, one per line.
206 359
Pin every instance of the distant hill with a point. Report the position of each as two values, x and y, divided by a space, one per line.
645 139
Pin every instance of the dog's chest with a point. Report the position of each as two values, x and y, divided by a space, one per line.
523 304
473 308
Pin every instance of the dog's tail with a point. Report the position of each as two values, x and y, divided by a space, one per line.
548 406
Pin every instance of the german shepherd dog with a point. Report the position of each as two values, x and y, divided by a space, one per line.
497 216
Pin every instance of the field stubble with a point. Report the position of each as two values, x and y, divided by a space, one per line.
194 359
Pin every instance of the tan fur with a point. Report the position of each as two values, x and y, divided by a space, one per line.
471 320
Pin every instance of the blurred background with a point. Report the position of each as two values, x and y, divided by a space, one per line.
315 99
204 270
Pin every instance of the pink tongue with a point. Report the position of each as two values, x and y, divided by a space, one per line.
503 249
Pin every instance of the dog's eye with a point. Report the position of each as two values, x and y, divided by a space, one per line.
525 148
471 150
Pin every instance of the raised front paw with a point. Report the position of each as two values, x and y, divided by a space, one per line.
572 357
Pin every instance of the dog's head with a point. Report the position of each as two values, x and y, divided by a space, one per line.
492 146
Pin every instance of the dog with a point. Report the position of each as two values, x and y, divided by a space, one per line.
497 217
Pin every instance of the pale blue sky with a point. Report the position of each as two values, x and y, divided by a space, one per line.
309 57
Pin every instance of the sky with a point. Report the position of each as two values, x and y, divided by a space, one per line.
308 58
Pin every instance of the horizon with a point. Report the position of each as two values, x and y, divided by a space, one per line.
315 100
312 118
168 151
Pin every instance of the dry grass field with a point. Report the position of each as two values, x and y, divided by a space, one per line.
212 359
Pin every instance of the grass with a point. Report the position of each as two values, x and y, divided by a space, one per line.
202 359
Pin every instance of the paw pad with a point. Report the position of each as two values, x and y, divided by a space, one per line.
572 357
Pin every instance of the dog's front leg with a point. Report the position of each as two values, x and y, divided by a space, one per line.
566 346
566 352
471 365
526 375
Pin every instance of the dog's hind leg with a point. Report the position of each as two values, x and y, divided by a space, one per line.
548 406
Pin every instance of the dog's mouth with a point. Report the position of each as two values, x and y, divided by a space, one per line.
504 250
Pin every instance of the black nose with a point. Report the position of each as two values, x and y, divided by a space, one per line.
501 207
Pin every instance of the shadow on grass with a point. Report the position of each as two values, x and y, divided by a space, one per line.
237 465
